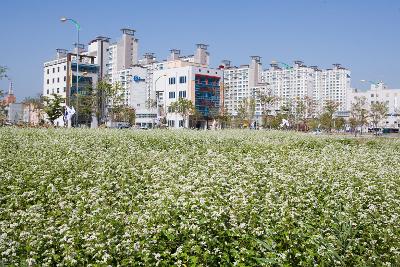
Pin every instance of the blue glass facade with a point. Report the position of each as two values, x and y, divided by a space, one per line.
207 95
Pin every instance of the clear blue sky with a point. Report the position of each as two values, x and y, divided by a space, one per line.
363 35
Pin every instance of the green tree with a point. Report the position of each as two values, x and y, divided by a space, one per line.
378 111
184 107
3 116
327 117
53 107
107 101
224 118
359 112
339 123
266 101
3 71
246 111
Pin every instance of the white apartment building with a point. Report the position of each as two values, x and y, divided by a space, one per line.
244 82
61 76
379 92
300 81
98 48
142 96
55 75
122 54
335 85
288 83
190 78
146 85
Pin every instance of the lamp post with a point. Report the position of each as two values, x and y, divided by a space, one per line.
78 27
157 94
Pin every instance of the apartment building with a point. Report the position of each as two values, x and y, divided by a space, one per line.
299 81
242 83
191 78
379 92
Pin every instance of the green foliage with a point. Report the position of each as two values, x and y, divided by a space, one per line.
184 107
327 118
53 107
76 197
3 71
359 111
245 112
378 111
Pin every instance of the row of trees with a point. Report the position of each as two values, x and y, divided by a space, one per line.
102 103
3 71
300 113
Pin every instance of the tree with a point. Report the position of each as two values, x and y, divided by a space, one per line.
151 103
126 114
246 111
224 118
3 71
3 116
184 107
300 111
377 112
107 100
53 107
359 112
327 117
339 123
2 104
266 101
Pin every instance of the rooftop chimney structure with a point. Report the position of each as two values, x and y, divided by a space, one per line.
174 54
201 55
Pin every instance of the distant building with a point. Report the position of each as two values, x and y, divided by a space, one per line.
242 83
190 78
301 81
10 97
379 92
15 113
122 54
61 76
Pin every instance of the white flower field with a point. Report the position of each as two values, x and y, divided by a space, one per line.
197 198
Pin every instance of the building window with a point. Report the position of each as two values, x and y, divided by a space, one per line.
58 69
171 123
58 90
48 92
54 70
58 80
171 94
171 80
65 67
53 80
48 81
52 91
65 78
182 79
180 123
182 94
48 71
64 89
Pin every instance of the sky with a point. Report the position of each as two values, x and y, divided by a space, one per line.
362 35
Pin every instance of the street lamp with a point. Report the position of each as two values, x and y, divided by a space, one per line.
78 27
157 94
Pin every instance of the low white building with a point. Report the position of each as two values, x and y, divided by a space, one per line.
379 92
